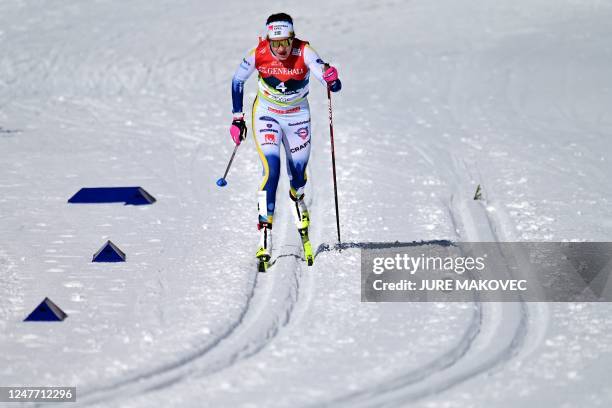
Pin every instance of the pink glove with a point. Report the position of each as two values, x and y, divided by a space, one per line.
238 130
330 75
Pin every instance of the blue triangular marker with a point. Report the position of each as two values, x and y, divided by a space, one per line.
109 253
47 311
99 195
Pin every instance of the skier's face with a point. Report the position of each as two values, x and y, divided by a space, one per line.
281 47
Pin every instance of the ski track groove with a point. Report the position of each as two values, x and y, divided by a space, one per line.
417 375
422 382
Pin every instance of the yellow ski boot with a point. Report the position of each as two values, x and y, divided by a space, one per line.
265 244
302 221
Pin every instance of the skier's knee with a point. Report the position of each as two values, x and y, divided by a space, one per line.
296 194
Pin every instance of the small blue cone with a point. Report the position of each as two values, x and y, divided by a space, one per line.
221 182
47 311
109 253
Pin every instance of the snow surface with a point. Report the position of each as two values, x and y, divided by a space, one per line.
439 96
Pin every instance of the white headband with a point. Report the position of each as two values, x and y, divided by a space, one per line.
280 29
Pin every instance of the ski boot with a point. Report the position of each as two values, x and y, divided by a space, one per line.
302 221
265 244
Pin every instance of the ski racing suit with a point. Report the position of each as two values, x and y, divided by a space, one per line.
280 115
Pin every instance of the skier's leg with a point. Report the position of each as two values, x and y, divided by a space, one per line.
297 148
296 141
267 135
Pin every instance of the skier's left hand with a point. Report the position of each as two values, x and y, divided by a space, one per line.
330 75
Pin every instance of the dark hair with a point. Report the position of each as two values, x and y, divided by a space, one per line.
279 17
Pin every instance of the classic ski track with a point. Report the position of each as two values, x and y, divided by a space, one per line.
243 338
422 382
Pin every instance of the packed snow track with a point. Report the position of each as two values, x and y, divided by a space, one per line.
437 98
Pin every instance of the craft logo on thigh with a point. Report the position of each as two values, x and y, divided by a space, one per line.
300 147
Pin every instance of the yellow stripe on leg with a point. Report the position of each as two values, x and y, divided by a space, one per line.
262 156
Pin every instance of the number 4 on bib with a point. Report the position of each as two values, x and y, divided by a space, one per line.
281 87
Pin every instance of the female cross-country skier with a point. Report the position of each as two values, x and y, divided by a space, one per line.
280 115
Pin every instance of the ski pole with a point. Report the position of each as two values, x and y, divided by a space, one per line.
222 182
333 154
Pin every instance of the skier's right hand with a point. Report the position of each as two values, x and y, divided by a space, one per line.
238 130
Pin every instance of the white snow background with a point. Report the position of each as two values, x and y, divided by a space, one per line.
438 96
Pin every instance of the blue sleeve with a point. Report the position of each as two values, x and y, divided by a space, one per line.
237 95
244 71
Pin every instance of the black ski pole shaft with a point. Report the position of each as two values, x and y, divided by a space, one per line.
222 182
333 154
230 162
